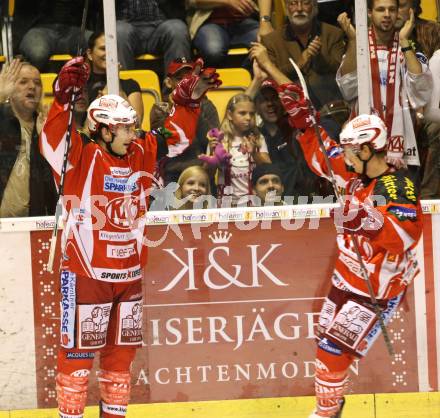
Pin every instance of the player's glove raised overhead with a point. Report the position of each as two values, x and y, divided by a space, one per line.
296 105
358 218
72 78
190 90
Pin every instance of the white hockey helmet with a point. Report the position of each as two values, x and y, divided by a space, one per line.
365 129
110 110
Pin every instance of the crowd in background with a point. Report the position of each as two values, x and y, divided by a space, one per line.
249 156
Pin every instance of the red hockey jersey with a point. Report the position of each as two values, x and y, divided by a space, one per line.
389 256
105 198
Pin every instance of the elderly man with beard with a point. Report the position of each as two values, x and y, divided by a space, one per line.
315 46
26 184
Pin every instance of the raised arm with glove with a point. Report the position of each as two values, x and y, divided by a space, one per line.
71 79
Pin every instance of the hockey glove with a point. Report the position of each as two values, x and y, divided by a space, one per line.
358 218
191 90
71 79
296 106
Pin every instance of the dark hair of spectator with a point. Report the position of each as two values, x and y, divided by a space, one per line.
417 8
263 169
428 36
370 3
93 37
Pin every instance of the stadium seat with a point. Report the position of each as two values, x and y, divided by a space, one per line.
235 80
150 87
47 80
2 58
147 57
60 57
147 79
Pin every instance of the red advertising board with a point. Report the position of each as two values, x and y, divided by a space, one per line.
230 311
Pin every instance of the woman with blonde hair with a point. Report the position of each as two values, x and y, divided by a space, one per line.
194 190
247 147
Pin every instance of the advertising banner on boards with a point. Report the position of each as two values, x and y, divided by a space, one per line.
230 310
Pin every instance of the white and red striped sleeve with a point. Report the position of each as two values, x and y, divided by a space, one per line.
316 160
53 139
182 123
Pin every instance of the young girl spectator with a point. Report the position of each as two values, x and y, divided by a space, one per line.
129 89
194 190
246 146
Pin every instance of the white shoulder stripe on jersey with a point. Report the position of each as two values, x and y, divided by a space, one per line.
55 157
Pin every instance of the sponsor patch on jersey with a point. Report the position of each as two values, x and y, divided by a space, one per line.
120 171
329 346
403 213
351 324
133 273
115 236
120 251
93 322
80 356
129 323
68 308
118 185
334 152
78 215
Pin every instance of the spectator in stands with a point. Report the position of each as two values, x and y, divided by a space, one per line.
142 27
194 190
208 119
429 42
26 184
56 30
247 147
96 86
216 26
315 46
284 151
392 92
267 184
404 12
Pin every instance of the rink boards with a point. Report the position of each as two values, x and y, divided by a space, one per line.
231 299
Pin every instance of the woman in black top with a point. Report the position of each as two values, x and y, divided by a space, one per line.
97 84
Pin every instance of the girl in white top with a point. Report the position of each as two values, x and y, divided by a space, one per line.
247 148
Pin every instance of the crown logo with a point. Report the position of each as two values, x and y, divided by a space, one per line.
221 237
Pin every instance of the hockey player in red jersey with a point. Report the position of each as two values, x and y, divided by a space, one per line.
105 199
381 212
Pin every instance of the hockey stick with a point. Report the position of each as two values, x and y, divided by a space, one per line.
7 18
59 208
341 202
